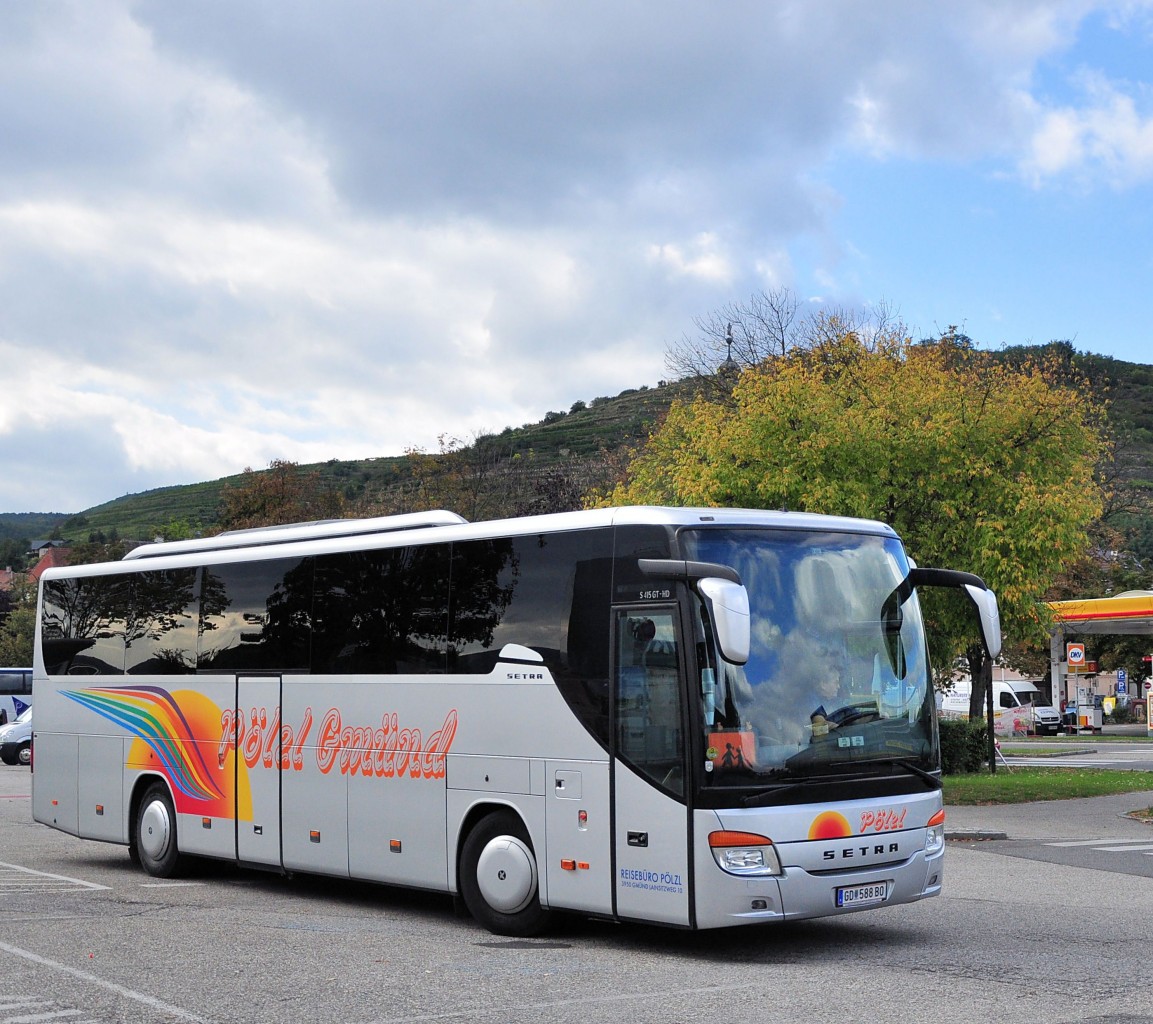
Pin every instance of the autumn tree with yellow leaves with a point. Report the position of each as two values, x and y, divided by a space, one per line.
977 465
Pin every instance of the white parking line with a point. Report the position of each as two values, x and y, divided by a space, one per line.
169 885
7 1005
1083 842
42 1018
111 986
42 879
1110 846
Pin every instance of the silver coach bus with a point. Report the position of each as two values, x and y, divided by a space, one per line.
693 717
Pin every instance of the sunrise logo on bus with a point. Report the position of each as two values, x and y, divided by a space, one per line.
830 825
834 825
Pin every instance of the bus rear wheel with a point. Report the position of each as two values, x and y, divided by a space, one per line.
154 837
499 879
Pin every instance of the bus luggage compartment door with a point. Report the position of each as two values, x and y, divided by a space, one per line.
579 868
258 770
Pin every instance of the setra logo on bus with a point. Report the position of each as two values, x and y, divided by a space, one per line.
861 852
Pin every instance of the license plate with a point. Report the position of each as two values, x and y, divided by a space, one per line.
862 895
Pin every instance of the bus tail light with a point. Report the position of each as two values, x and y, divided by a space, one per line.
935 834
744 853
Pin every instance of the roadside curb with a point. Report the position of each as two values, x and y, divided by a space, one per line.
973 835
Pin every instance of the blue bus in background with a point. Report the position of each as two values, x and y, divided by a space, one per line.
15 693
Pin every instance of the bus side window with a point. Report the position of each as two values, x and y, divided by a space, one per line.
549 592
15 681
255 616
83 623
381 611
160 637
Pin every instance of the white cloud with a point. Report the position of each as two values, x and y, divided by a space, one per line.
231 232
1109 138
700 258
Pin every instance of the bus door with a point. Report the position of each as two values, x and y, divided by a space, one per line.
258 769
651 821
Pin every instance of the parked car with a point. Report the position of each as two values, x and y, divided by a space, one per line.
16 739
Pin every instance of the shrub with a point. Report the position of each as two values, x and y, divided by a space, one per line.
1124 714
964 746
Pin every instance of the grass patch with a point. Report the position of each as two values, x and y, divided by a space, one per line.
1078 738
1023 785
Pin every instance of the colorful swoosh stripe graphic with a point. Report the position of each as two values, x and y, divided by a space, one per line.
153 715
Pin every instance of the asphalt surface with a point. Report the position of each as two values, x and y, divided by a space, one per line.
1016 937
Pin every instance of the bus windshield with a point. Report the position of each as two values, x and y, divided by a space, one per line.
837 679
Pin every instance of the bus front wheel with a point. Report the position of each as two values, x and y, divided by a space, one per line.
154 838
499 879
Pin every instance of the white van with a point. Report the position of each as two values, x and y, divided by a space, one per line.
16 740
1007 695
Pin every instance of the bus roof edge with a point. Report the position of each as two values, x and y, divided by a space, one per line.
262 536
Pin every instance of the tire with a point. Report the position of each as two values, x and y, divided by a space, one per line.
24 755
499 879
154 834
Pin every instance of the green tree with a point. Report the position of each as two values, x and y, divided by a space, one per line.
471 480
284 493
14 553
978 465
18 625
490 479
179 529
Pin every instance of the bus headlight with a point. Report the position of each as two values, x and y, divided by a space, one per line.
744 853
935 834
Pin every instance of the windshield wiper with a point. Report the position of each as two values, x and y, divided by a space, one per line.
901 762
770 795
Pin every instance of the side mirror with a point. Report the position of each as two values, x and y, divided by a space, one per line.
990 615
984 600
728 605
724 595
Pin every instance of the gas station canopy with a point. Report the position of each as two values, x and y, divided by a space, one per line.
1128 614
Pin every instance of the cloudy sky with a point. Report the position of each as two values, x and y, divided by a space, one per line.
239 230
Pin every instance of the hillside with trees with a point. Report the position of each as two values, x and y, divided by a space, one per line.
549 464
1048 481
540 466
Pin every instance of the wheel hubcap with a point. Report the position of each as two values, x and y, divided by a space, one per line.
506 874
155 830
